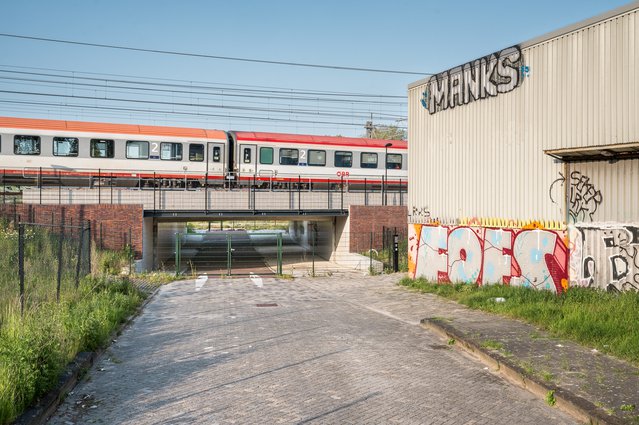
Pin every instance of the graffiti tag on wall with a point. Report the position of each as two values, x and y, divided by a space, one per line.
534 258
584 197
605 257
479 79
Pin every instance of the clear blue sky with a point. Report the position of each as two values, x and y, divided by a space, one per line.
423 36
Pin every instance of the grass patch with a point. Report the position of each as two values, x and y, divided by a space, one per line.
490 344
36 347
550 398
602 320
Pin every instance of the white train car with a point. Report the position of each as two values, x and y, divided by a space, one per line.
73 153
131 154
315 160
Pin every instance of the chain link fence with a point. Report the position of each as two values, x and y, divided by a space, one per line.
41 262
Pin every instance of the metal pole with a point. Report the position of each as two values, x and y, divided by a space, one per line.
111 186
229 259
279 254
21 265
40 184
177 254
89 246
314 243
395 252
370 256
4 187
131 252
79 262
341 179
99 187
365 192
154 191
299 194
328 194
60 242
59 189
206 191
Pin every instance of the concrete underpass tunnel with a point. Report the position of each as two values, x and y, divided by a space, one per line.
243 247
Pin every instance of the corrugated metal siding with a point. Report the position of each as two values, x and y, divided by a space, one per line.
486 159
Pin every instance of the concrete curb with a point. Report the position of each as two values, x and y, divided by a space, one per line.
580 408
40 413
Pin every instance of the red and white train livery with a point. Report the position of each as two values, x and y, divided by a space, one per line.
134 154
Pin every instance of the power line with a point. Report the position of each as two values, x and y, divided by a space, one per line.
194 105
321 99
169 112
200 55
204 84
229 102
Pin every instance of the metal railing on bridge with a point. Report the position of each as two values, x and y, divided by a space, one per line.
291 194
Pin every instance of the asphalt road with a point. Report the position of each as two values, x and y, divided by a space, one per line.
340 350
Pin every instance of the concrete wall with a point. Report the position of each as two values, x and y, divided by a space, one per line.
111 225
531 257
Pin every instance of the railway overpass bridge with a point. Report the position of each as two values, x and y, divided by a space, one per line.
318 220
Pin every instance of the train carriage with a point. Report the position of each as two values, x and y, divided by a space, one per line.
74 153
314 160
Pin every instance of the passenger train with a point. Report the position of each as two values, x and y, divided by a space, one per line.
36 151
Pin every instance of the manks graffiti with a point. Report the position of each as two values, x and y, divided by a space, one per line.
520 257
584 197
480 79
605 257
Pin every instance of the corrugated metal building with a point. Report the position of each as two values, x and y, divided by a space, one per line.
523 163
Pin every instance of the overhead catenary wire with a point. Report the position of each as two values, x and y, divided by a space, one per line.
194 105
207 56
191 92
75 74
187 113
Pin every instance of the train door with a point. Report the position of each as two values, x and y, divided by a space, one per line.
216 165
247 160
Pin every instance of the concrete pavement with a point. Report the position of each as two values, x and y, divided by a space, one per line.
344 349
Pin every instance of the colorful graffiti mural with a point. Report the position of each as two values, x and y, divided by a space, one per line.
605 257
536 258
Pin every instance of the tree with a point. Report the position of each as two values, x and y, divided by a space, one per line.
385 132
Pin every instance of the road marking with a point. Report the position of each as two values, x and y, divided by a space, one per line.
200 281
257 280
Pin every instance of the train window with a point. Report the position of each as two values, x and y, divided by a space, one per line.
217 154
26 145
247 155
368 160
289 156
343 159
137 150
266 156
196 152
171 151
394 161
102 148
316 158
65 146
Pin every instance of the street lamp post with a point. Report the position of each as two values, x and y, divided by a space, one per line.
388 145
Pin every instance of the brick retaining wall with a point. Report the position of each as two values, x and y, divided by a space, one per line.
367 219
110 224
